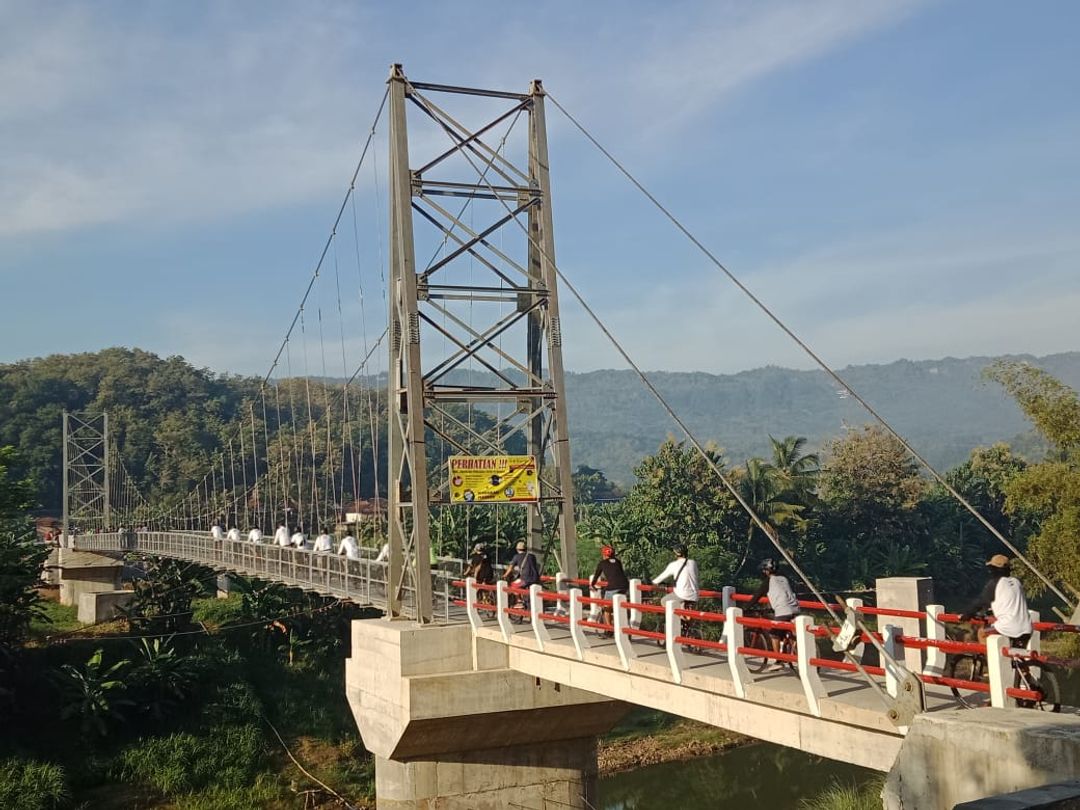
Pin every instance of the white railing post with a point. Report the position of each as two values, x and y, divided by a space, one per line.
470 604
536 607
672 630
577 632
1001 671
727 597
562 588
805 647
935 631
501 603
889 635
622 640
635 598
733 637
1035 644
856 605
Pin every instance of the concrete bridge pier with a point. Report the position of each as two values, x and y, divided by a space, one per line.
84 572
452 726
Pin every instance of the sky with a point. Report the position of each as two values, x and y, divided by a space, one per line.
895 179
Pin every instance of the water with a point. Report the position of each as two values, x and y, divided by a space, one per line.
758 775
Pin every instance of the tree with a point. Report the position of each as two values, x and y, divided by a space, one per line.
1047 493
799 470
679 499
1052 406
872 526
21 556
769 492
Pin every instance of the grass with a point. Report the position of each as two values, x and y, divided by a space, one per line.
56 618
846 797
214 612
29 785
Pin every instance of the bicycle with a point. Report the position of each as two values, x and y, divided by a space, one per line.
760 638
973 667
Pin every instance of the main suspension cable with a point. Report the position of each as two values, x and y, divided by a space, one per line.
937 476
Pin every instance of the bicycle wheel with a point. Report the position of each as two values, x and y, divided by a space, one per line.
758 640
788 646
1047 684
966 668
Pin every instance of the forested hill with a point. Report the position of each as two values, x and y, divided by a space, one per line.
169 418
943 406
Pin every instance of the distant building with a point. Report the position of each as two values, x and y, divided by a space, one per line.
365 509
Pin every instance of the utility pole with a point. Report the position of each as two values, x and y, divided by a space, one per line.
475 337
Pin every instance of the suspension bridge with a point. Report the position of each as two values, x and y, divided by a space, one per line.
473 694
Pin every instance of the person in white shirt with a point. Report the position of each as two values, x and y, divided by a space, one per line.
349 547
298 539
384 553
255 535
324 543
234 534
1004 596
216 533
281 536
683 573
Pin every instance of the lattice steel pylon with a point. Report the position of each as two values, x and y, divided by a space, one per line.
489 296
86 472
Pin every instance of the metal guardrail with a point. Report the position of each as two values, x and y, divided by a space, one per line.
363 581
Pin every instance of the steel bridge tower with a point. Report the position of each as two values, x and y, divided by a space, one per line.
475 340
86 472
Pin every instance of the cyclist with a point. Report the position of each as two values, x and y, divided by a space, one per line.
785 607
522 571
1004 596
610 570
684 575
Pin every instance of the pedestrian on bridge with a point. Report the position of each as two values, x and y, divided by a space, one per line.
324 543
255 535
216 531
234 535
298 539
281 536
349 547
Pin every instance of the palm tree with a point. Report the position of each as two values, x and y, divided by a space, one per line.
799 470
765 488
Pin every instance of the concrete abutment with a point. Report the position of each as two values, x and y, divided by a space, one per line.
452 726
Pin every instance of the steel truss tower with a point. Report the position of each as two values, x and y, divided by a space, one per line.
86 472
475 341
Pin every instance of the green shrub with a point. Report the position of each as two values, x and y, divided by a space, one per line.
846 797
225 756
29 785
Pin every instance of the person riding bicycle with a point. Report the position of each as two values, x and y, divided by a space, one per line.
610 570
522 571
684 575
1004 596
785 607
480 567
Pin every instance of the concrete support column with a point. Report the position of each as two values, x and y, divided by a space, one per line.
452 726
906 593
86 572
538 775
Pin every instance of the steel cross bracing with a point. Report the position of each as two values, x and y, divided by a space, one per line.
475 341
86 472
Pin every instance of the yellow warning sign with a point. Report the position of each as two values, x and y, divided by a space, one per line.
493 479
